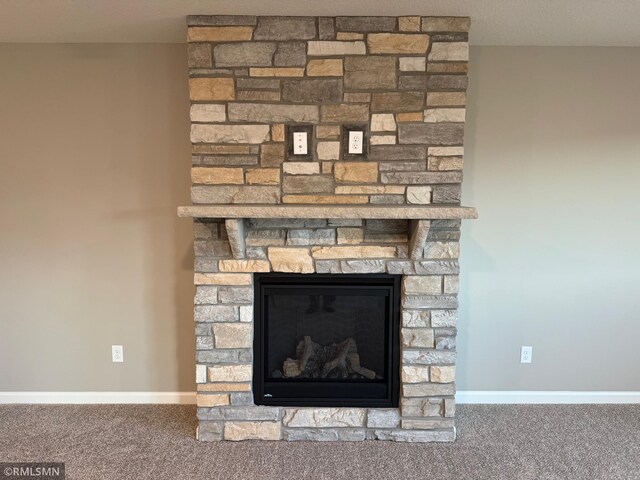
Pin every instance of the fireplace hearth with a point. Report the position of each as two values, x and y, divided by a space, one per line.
326 340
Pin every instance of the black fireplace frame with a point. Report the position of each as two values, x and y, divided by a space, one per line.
322 392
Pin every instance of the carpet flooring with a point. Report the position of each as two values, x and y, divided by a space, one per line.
124 442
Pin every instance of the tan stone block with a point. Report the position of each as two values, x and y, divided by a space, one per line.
413 64
350 235
349 36
329 67
398 43
243 265
382 140
325 199
259 95
224 387
383 122
217 133
219 34
415 374
221 149
231 373
263 176
443 374
442 250
357 97
439 99
330 48
277 132
211 88
294 260
237 431
344 113
409 24
449 52
276 72
417 284
217 176
356 172
327 131
326 253
446 151
327 167
207 112
208 400
409 117
417 337
328 150
419 195
445 24
437 115
301 168
370 189
271 154
221 279
441 164
232 335
324 417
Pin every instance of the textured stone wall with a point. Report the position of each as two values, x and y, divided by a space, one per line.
404 77
251 78
224 328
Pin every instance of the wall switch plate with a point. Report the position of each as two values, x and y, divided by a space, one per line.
300 144
355 142
526 354
117 353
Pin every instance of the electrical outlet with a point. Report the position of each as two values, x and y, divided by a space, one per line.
355 142
526 354
300 146
117 353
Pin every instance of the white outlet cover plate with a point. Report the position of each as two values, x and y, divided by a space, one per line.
355 142
300 146
117 353
526 354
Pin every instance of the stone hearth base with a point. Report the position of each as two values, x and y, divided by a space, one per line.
224 326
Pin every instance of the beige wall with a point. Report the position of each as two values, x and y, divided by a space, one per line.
553 165
94 158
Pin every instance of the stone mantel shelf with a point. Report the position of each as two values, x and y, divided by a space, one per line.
419 215
408 212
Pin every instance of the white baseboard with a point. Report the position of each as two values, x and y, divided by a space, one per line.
185 398
189 398
542 397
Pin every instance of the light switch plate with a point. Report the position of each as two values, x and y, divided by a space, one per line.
300 144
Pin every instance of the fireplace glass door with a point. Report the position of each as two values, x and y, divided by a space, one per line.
326 340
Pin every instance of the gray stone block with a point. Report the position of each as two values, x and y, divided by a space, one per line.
366 24
447 82
437 267
416 435
224 356
205 265
415 318
285 28
224 160
412 82
199 54
328 266
203 329
210 431
212 248
257 253
287 223
204 342
421 178
428 357
386 226
431 133
326 28
258 83
272 113
445 342
214 20
307 184
292 54
387 199
244 54
324 434
235 194
216 313
430 301
240 413
206 295
383 418
312 90
398 152
241 399
370 72
422 407
318 236
428 389
446 194
397 102
400 267
362 266
239 295
418 166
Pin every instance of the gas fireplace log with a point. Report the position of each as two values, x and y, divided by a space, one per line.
329 361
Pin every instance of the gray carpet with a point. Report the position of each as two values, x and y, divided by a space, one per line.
494 442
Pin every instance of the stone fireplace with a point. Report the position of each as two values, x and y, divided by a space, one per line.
349 255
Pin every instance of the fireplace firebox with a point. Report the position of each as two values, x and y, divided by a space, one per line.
326 340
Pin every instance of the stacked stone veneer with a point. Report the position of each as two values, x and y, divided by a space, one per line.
250 77
403 77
